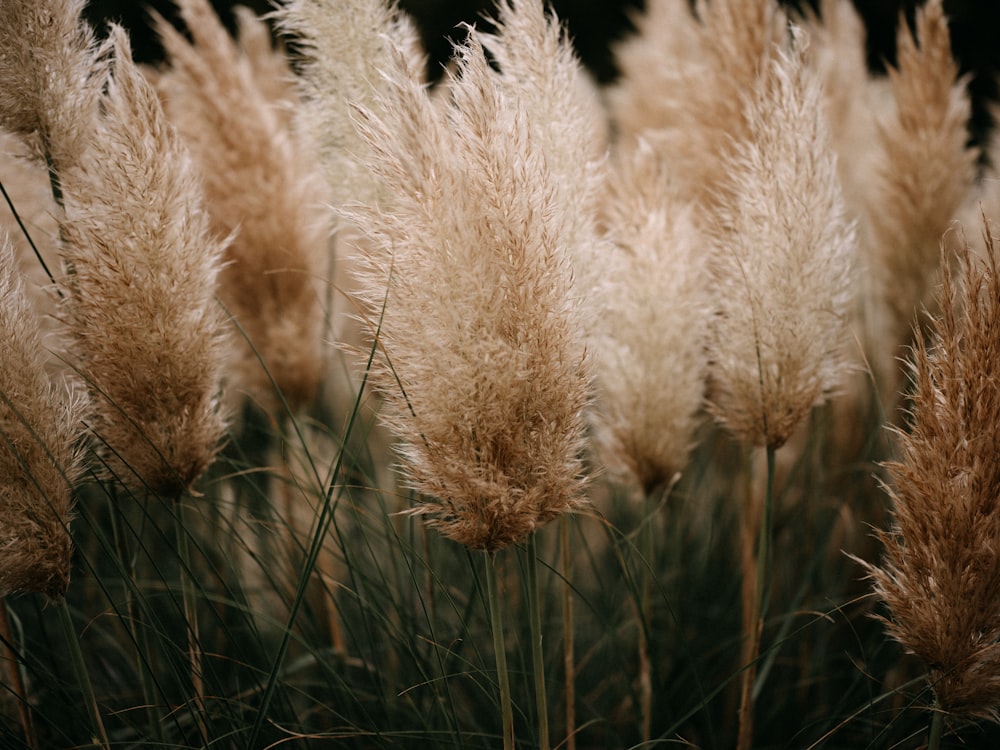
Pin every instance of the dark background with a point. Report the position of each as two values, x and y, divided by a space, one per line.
594 23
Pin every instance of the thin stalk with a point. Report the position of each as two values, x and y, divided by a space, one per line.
537 652
646 542
496 625
100 735
133 623
936 730
16 679
191 619
569 660
762 579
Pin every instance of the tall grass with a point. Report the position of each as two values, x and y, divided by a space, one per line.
520 299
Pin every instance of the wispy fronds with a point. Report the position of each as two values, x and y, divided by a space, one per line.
344 43
655 309
537 66
140 299
684 78
783 259
481 356
941 573
41 425
925 172
232 107
49 83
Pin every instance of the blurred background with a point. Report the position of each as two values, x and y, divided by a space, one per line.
596 24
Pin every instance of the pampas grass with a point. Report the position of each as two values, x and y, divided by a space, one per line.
484 279
232 107
41 430
548 292
920 179
940 575
147 333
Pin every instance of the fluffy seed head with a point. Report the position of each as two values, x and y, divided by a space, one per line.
140 295
940 576
231 104
649 350
41 423
470 294
49 83
783 263
344 43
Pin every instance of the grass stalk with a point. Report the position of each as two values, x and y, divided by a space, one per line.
500 651
647 543
537 651
936 729
754 623
133 622
16 679
99 734
569 658
191 619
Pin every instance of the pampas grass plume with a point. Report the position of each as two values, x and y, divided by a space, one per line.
146 331
649 350
784 258
481 355
232 108
924 172
49 77
940 576
343 44
41 428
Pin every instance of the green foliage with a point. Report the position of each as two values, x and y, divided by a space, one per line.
357 628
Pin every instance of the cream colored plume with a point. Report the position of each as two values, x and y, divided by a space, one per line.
469 292
146 330
655 309
232 106
683 80
344 44
922 175
41 428
784 255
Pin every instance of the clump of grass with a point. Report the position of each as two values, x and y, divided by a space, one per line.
527 260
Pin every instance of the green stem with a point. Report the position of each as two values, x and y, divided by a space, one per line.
569 665
937 729
100 736
16 680
191 619
133 621
647 542
537 653
758 606
496 624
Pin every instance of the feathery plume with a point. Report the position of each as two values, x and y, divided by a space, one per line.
649 352
783 262
940 576
49 79
232 108
41 424
469 288
684 78
923 173
344 43
140 298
